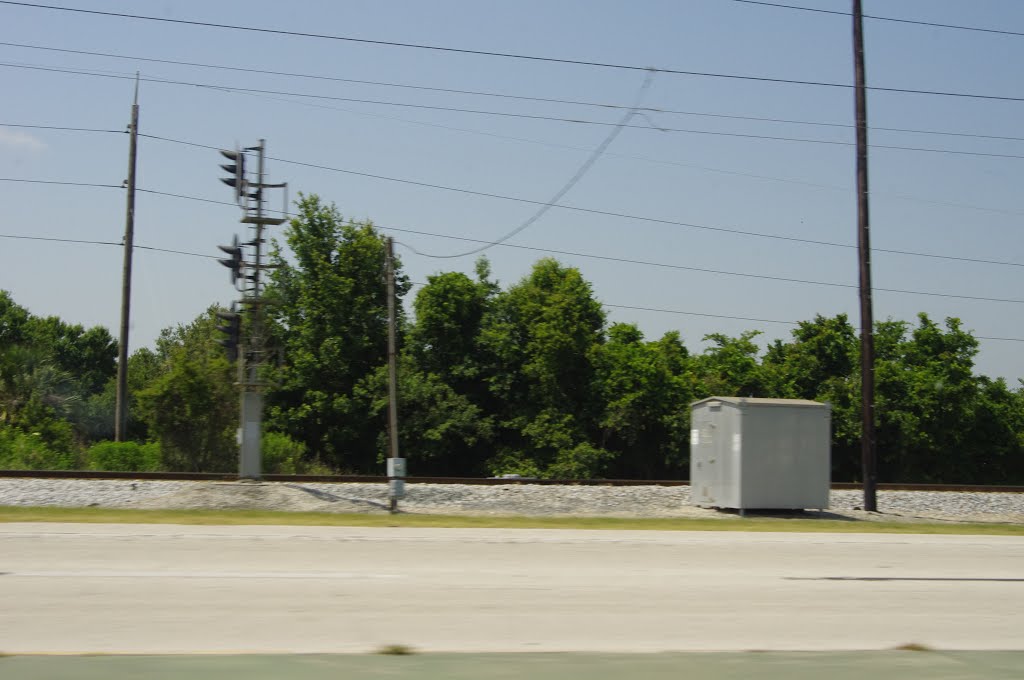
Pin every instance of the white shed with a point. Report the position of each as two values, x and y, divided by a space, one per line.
760 453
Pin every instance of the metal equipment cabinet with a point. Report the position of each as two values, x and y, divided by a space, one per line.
760 453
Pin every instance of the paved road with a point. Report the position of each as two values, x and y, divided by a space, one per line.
898 665
179 589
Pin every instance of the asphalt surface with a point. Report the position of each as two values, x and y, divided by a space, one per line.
164 589
715 666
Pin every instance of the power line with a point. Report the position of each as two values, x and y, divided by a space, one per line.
878 18
194 198
59 240
691 225
698 313
70 184
526 140
56 127
631 307
460 238
503 95
723 272
227 88
507 114
103 243
506 55
521 247
606 213
623 260
648 159
573 181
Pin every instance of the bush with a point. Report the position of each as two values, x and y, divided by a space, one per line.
124 457
282 455
27 451
581 462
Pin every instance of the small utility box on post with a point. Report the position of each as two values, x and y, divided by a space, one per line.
396 481
765 454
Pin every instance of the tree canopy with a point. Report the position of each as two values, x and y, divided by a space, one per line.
528 378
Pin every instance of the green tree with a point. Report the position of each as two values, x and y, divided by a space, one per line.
822 363
13 318
441 431
95 413
536 341
449 315
191 407
90 356
926 396
646 389
330 313
729 367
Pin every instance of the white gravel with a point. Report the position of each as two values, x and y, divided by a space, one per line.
512 499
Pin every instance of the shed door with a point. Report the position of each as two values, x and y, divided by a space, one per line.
706 447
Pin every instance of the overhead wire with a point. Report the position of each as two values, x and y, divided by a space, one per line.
505 55
522 247
604 304
508 114
908 253
660 161
647 159
58 127
70 184
580 173
667 265
504 95
723 272
104 243
607 213
916 22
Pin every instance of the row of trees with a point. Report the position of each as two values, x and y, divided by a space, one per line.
528 379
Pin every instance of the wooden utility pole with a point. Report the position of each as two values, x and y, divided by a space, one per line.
395 469
869 460
121 405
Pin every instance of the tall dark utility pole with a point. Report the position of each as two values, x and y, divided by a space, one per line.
867 340
396 464
121 406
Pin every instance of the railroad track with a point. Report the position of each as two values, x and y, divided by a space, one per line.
481 481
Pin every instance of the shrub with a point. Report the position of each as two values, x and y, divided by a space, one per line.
27 451
581 462
282 455
124 457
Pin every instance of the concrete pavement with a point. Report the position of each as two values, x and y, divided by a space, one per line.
714 666
256 589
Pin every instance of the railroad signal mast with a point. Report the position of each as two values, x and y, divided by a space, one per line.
245 339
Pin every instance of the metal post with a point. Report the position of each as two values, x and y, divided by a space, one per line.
395 467
121 405
251 356
867 343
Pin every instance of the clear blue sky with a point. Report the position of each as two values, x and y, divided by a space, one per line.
946 204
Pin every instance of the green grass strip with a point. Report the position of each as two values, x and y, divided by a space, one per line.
262 517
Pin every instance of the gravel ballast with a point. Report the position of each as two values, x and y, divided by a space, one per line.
457 499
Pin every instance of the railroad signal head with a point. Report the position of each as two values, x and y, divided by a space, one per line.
232 329
237 170
234 259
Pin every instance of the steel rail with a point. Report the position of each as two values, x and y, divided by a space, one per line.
477 481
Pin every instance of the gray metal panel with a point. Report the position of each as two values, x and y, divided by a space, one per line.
714 461
760 453
785 458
